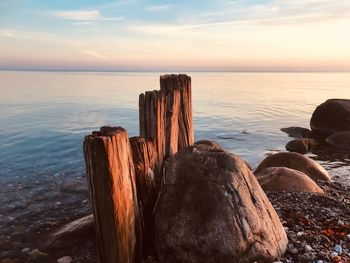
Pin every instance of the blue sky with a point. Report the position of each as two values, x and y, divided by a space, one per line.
155 35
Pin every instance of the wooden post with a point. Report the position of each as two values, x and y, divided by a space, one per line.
186 134
112 186
165 117
144 159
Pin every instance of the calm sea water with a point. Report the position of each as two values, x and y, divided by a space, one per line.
45 115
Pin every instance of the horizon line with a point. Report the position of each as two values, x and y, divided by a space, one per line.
184 70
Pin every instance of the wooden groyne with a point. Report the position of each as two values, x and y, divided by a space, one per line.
125 174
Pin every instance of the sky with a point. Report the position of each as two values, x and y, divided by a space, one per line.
232 35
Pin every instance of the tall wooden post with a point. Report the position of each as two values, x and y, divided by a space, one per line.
165 117
111 178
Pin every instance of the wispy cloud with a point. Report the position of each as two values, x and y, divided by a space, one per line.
84 15
158 8
95 54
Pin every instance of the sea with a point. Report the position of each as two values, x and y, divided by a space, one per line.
44 116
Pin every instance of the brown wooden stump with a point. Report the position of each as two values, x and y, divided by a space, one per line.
111 178
144 159
165 117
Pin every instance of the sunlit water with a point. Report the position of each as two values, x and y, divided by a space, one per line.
45 115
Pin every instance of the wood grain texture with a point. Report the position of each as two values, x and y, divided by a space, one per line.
112 186
144 159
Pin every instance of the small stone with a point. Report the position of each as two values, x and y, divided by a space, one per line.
37 253
25 250
319 261
58 203
334 254
348 237
308 248
338 249
300 234
65 259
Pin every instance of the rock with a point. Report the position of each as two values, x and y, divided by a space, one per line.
308 248
295 161
338 249
66 259
297 132
74 186
76 229
303 145
37 253
212 144
25 250
340 140
279 179
331 116
212 209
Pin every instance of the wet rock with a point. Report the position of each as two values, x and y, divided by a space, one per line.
74 186
66 259
78 229
297 132
303 145
295 161
281 179
212 144
340 140
212 209
331 116
37 253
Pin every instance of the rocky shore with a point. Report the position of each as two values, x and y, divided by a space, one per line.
289 209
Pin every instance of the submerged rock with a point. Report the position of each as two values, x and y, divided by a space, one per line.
302 145
297 132
331 116
212 209
340 140
295 161
279 179
77 229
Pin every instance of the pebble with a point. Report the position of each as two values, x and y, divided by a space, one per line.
319 261
334 254
65 259
25 250
36 253
308 248
299 234
338 249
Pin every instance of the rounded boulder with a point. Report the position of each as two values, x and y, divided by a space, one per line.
280 179
331 116
340 140
212 209
295 161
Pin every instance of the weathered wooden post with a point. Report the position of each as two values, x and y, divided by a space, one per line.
165 118
144 159
111 177
125 175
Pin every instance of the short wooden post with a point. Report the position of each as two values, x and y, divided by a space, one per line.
144 159
111 178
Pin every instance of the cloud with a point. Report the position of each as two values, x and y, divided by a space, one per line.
84 15
158 8
95 54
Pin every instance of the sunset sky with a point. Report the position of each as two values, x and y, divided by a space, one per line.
167 35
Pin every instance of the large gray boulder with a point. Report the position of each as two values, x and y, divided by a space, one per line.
280 179
295 161
340 140
212 209
331 116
